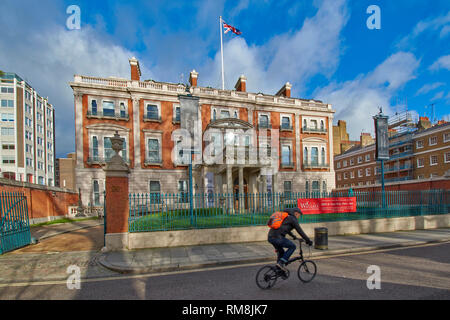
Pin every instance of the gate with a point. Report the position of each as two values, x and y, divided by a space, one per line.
15 225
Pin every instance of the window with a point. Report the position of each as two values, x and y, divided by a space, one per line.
322 125
224 114
420 162
324 186
368 157
235 115
107 146
314 156
313 124
447 157
352 174
95 148
155 191
8 147
433 141
286 155
352 161
345 175
419 144
360 159
9 160
94 107
39 153
285 123
176 116
7 90
123 112
108 108
153 151
446 137
433 160
360 173
214 114
338 165
7 103
368 172
287 185
183 193
7 117
152 112
264 121
322 154
315 186
344 163
305 156
96 192
339 177
7 131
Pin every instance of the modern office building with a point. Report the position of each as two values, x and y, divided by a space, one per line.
293 135
27 133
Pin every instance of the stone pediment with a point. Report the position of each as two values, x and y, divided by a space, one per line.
229 123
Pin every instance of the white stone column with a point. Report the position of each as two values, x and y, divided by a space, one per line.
79 129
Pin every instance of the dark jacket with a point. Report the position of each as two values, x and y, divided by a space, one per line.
286 227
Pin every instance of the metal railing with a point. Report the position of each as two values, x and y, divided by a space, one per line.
159 212
108 115
315 130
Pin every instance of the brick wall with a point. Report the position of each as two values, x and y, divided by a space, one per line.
44 203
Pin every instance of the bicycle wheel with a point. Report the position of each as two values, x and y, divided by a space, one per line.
307 271
266 277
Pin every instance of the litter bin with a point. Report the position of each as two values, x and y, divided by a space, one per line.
321 238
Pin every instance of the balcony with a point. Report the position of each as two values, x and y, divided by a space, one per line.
152 118
314 130
108 115
286 128
405 154
398 168
101 160
316 165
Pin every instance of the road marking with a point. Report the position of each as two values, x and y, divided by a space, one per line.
151 275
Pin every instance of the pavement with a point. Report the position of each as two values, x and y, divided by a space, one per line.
194 257
52 230
81 245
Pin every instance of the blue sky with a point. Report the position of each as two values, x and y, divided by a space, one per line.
323 48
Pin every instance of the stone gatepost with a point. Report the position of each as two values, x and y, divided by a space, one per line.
117 206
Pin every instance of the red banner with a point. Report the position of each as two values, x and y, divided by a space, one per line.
327 205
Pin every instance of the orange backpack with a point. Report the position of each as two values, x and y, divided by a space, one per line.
276 219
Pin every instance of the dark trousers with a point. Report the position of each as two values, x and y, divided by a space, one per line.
281 243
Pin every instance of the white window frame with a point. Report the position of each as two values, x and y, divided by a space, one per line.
154 103
367 157
419 146
360 173
437 160
418 162
368 173
268 118
289 116
448 137
155 136
445 157
429 141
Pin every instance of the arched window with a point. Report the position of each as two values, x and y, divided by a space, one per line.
323 155
286 155
305 156
122 110
314 156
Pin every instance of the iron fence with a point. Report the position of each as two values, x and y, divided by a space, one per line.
162 212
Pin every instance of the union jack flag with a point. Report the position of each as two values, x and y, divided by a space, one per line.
228 28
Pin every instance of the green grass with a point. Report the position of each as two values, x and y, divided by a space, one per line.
62 220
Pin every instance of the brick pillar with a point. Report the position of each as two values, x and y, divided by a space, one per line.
117 201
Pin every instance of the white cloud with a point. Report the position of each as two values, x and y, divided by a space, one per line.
48 60
437 96
429 87
294 56
356 101
442 63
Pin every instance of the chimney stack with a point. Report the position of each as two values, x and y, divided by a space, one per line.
241 84
285 90
424 123
366 139
135 69
193 78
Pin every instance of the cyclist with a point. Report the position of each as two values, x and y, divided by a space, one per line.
277 237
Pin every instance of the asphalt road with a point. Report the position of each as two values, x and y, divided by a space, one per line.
410 273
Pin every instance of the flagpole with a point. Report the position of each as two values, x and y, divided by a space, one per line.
221 51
